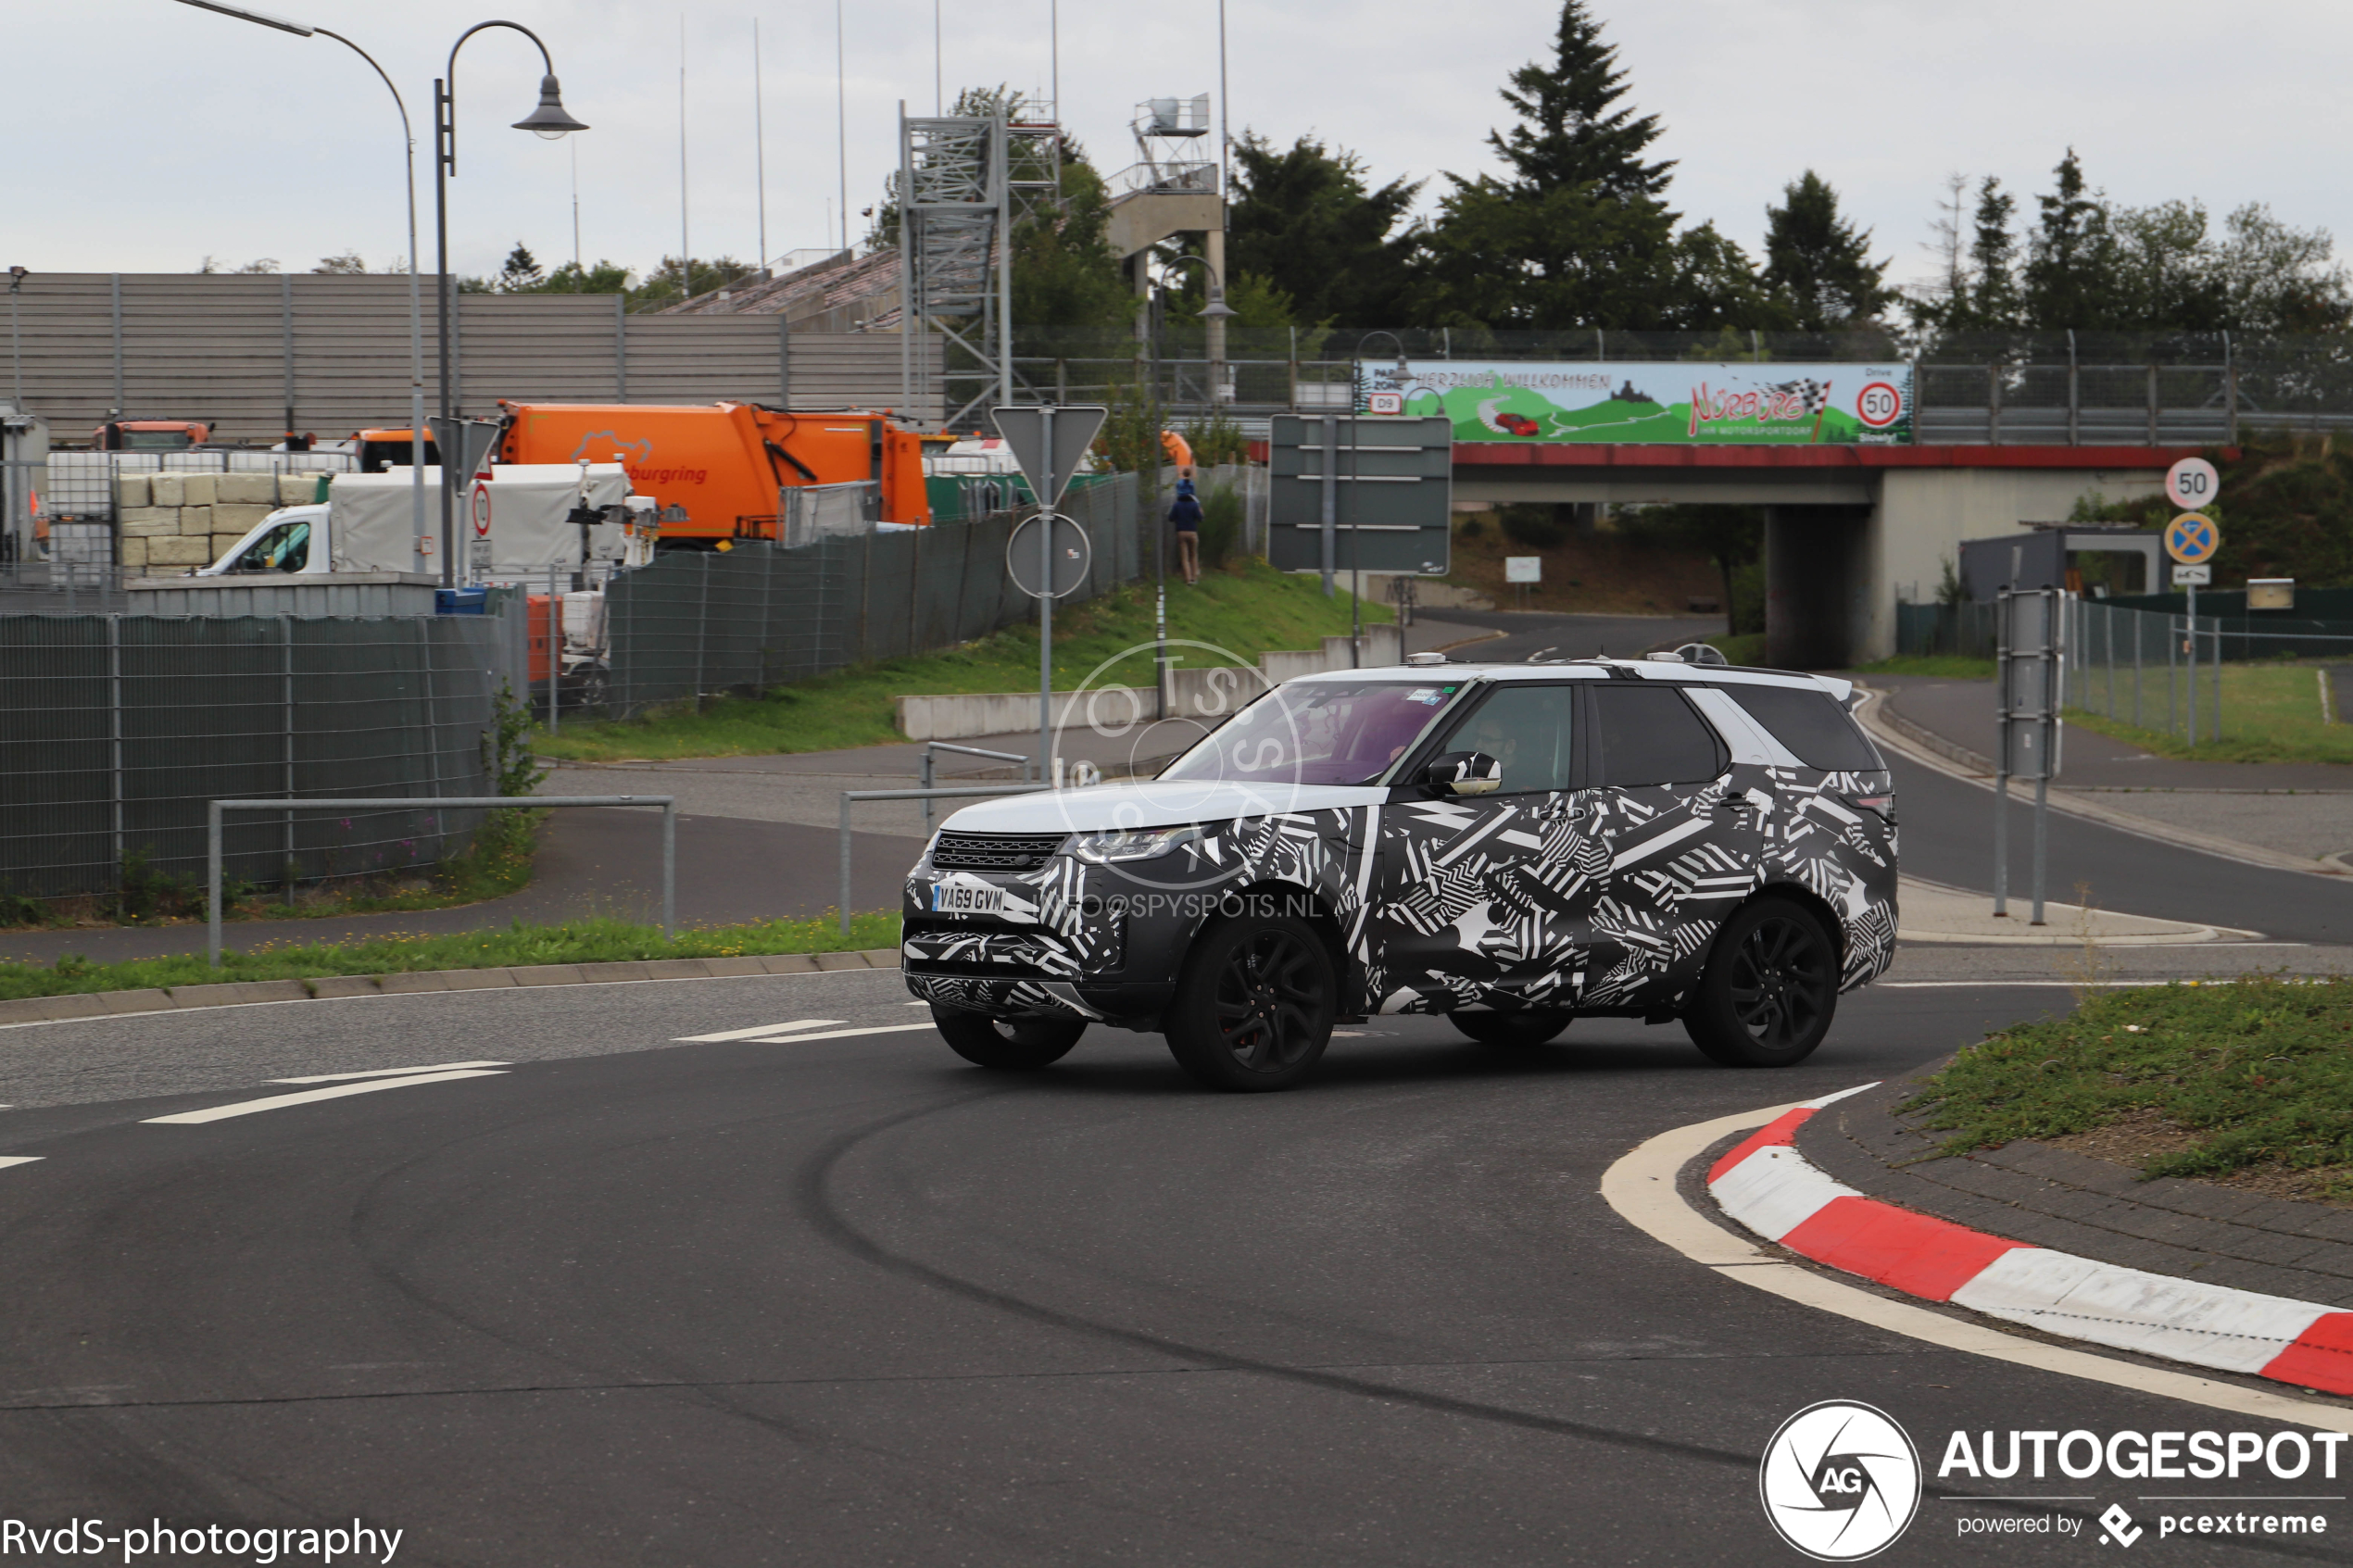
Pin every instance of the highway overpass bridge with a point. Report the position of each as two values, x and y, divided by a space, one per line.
1846 527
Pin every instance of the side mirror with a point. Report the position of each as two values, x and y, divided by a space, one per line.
1463 772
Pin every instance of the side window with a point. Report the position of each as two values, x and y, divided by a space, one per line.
1812 725
1528 730
1648 735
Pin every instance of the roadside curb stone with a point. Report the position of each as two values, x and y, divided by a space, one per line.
330 987
2095 1209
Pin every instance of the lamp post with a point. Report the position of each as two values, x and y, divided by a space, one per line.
1217 313
416 299
549 121
1356 576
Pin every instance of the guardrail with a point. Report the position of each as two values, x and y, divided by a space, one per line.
669 804
1029 765
965 791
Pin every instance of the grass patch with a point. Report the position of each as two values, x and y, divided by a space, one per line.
579 941
2270 713
2258 1073
1248 609
1947 666
1740 647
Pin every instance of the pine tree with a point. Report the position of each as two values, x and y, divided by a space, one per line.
1993 294
2070 266
520 271
1820 262
1306 223
1573 132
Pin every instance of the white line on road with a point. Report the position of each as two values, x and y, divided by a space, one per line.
844 1034
21 1159
1641 1186
753 1034
307 1096
390 1072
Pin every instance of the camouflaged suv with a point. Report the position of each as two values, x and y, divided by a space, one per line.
1509 846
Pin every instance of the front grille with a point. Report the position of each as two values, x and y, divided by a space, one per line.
994 851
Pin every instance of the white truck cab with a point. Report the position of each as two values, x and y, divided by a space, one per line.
518 521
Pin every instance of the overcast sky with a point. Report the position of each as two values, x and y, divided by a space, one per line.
144 135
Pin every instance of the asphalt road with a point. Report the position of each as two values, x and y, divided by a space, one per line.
848 1300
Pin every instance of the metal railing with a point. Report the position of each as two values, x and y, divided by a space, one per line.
669 804
1029 766
927 795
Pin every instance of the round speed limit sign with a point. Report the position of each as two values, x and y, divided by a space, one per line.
482 511
1879 405
2191 483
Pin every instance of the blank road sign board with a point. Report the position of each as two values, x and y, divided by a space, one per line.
1393 489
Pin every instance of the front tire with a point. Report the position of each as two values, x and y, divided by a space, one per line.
1007 1045
1770 988
1256 1004
1511 1031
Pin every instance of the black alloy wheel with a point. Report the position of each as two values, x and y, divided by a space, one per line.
1524 1030
1256 1004
1770 988
1007 1045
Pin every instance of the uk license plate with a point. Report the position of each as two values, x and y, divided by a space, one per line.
966 898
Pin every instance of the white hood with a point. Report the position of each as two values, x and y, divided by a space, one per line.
1150 804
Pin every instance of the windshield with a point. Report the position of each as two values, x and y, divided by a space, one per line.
1318 732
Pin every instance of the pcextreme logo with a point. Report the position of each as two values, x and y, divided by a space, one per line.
1839 1481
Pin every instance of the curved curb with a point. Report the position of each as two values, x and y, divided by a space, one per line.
1640 1185
1891 731
1766 1184
24 1011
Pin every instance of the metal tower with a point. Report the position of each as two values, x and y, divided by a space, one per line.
964 180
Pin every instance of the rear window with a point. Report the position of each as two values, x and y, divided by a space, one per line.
1648 735
1812 725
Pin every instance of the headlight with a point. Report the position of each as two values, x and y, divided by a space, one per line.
1133 844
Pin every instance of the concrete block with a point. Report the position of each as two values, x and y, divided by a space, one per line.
406 982
238 519
145 522
298 489
880 957
237 992
134 551
678 968
244 489
119 1002
179 552
168 490
195 521
34 1010
626 969
222 543
133 490
198 489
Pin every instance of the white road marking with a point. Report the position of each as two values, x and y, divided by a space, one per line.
7 1159
307 1096
844 1034
390 1072
1641 1186
753 1034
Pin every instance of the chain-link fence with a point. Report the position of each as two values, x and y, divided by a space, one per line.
2159 670
695 623
116 729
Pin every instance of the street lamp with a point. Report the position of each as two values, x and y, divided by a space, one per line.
549 121
416 299
1217 313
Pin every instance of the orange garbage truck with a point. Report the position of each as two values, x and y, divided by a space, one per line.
718 471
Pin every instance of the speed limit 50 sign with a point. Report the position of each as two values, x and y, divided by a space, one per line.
2191 483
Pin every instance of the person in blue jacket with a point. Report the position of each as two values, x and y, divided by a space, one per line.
1185 517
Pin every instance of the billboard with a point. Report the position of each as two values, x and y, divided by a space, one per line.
1678 403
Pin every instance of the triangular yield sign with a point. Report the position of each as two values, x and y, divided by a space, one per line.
1075 427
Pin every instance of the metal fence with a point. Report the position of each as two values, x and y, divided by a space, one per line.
114 730
698 622
82 484
2162 670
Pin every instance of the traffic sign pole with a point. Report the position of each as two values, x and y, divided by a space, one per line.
1046 606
